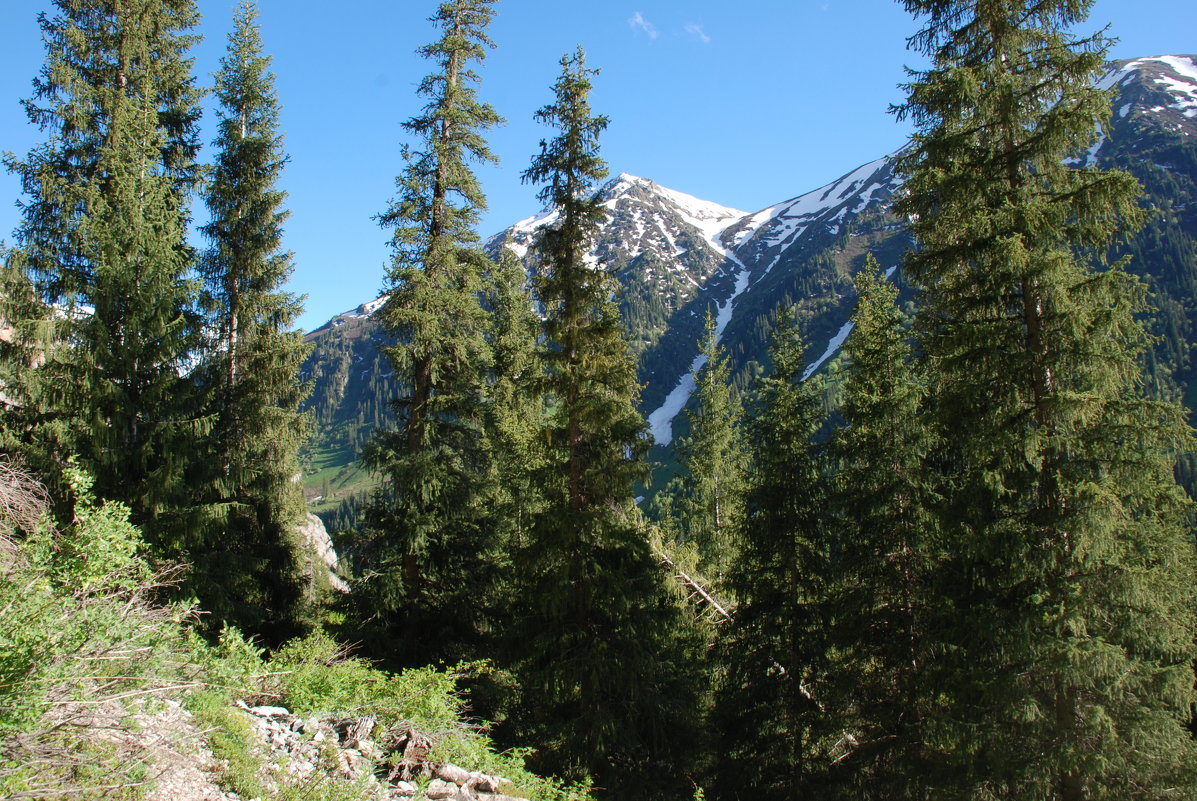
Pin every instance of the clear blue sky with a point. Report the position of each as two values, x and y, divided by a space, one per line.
742 103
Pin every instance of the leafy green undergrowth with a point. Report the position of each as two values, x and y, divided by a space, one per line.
232 742
88 658
82 648
315 677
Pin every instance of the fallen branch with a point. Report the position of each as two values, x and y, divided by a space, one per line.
696 588
131 694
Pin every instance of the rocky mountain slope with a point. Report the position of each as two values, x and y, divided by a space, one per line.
676 257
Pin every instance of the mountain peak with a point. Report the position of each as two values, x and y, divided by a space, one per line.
627 180
704 215
1167 70
1164 87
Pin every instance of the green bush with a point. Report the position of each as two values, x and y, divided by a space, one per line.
233 743
80 640
315 676
83 645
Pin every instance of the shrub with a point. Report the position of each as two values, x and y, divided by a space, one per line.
79 640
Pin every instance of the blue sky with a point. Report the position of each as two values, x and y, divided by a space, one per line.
745 104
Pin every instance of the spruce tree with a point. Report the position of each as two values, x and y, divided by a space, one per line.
516 411
514 417
425 535
248 572
769 706
1067 659
604 686
883 565
712 460
102 241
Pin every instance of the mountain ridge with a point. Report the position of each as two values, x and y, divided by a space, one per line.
677 256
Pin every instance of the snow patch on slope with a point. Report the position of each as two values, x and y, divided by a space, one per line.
1182 84
1090 156
527 228
833 345
1184 66
367 309
781 224
710 218
660 421
1116 77
838 340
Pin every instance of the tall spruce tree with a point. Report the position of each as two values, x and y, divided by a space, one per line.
1067 659
102 239
769 707
425 536
713 463
884 562
515 416
516 410
249 572
604 684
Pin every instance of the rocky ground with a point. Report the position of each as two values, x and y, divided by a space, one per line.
314 757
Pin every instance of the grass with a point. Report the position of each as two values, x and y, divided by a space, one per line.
232 742
333 464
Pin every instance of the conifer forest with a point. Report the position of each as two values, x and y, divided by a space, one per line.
955 560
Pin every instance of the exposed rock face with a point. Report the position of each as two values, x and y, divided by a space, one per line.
319 547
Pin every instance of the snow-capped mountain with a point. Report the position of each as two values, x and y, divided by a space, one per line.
363 311
770 253
648 218
663 246
782 230
678 257
1161 87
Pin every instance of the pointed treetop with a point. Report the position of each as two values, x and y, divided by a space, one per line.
244 84
569 164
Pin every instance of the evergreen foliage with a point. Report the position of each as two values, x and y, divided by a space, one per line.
1164 252
425 536
769 707
247 571
1069 577
884 559
516 407
712 460
103 273
604 684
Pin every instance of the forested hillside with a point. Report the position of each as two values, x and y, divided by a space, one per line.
677 257
919 533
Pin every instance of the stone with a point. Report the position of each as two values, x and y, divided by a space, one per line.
440 789
316 538
269 711
451 773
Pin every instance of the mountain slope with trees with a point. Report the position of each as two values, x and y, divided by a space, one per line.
678 258
951 561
